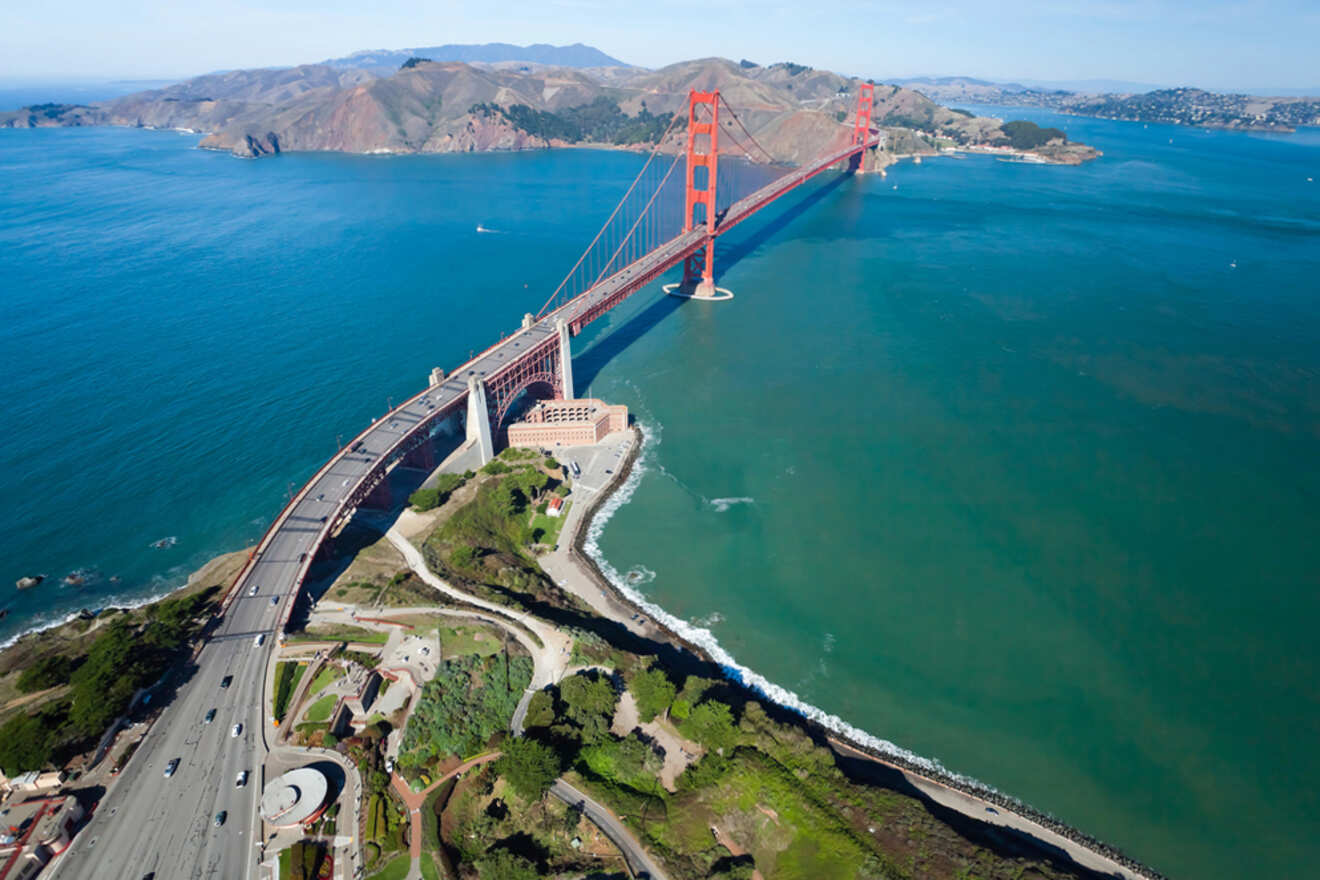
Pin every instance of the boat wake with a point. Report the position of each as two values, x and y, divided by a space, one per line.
721 505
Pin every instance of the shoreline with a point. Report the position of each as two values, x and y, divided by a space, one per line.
964 794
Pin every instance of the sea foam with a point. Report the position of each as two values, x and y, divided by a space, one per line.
703 638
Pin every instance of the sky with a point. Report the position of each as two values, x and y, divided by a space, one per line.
1207 43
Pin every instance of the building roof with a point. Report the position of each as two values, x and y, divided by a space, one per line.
293 798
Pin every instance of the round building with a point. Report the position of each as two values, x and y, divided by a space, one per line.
296 798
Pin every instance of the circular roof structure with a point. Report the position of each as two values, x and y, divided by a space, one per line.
294 798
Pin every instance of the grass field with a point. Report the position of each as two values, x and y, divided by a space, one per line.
327 675
396 869
550 525
321 709
340 633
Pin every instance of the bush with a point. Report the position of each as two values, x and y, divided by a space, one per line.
529 766
47 672
500 864
711 724
413 62
496 467
551 464
469 700
540 710
653 691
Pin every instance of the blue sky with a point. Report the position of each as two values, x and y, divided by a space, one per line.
1207 43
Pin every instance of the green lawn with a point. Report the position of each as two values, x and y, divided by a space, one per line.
342 633
321 709
456 641
286 865
429 870
327 675
397 868
550 525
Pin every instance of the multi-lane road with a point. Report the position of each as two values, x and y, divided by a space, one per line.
152 825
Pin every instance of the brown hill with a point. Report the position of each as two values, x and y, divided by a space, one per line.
792 111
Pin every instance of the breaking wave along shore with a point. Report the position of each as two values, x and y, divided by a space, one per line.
703 642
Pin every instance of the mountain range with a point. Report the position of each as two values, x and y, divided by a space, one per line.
383 62
793 111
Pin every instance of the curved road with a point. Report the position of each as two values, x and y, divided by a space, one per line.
147 823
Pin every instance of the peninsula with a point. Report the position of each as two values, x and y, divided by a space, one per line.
447 107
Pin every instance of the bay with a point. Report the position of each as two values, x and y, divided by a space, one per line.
1010 465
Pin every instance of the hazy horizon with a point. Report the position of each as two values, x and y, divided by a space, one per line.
1216 45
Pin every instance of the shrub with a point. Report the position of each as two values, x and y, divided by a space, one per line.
529 766
653 691
48 672
500 864
1024 135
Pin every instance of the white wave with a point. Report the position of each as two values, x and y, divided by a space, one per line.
42 623
639 575
723 504
702 637
712 619
829 643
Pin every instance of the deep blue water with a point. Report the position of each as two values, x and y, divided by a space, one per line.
1013 466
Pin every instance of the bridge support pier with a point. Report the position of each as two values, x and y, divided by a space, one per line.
565 361
478 419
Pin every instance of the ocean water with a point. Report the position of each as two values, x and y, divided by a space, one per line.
1012 466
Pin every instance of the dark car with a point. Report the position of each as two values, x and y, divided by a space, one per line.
220 818
226 681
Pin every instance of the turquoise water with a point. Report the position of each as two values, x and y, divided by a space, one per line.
1012 466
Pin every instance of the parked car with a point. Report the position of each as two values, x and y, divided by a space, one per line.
171 767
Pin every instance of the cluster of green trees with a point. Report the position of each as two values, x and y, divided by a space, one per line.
445 485
470 699
793 68
1024 135
413 62
602 121
131 652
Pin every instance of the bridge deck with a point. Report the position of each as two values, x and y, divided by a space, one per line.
284 555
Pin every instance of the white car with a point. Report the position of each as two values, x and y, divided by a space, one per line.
253 590
171 767
259 640
241 780
238 728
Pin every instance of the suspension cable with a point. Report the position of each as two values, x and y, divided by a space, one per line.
654 152
763 150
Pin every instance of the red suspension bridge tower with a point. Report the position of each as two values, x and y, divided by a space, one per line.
703 165
862 126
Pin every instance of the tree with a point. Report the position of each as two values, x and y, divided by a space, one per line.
653 691
25 744
540 710
50 671
711 724
500 864
589 702
529 766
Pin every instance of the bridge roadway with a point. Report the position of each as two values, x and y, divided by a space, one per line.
147 823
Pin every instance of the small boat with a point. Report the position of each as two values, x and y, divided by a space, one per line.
30 581
165 542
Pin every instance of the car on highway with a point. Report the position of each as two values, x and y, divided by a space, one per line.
241 780
210 716
226 681
238 728
220 818
171 767
253 590
274 600
259 640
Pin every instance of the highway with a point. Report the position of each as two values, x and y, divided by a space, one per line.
149 824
